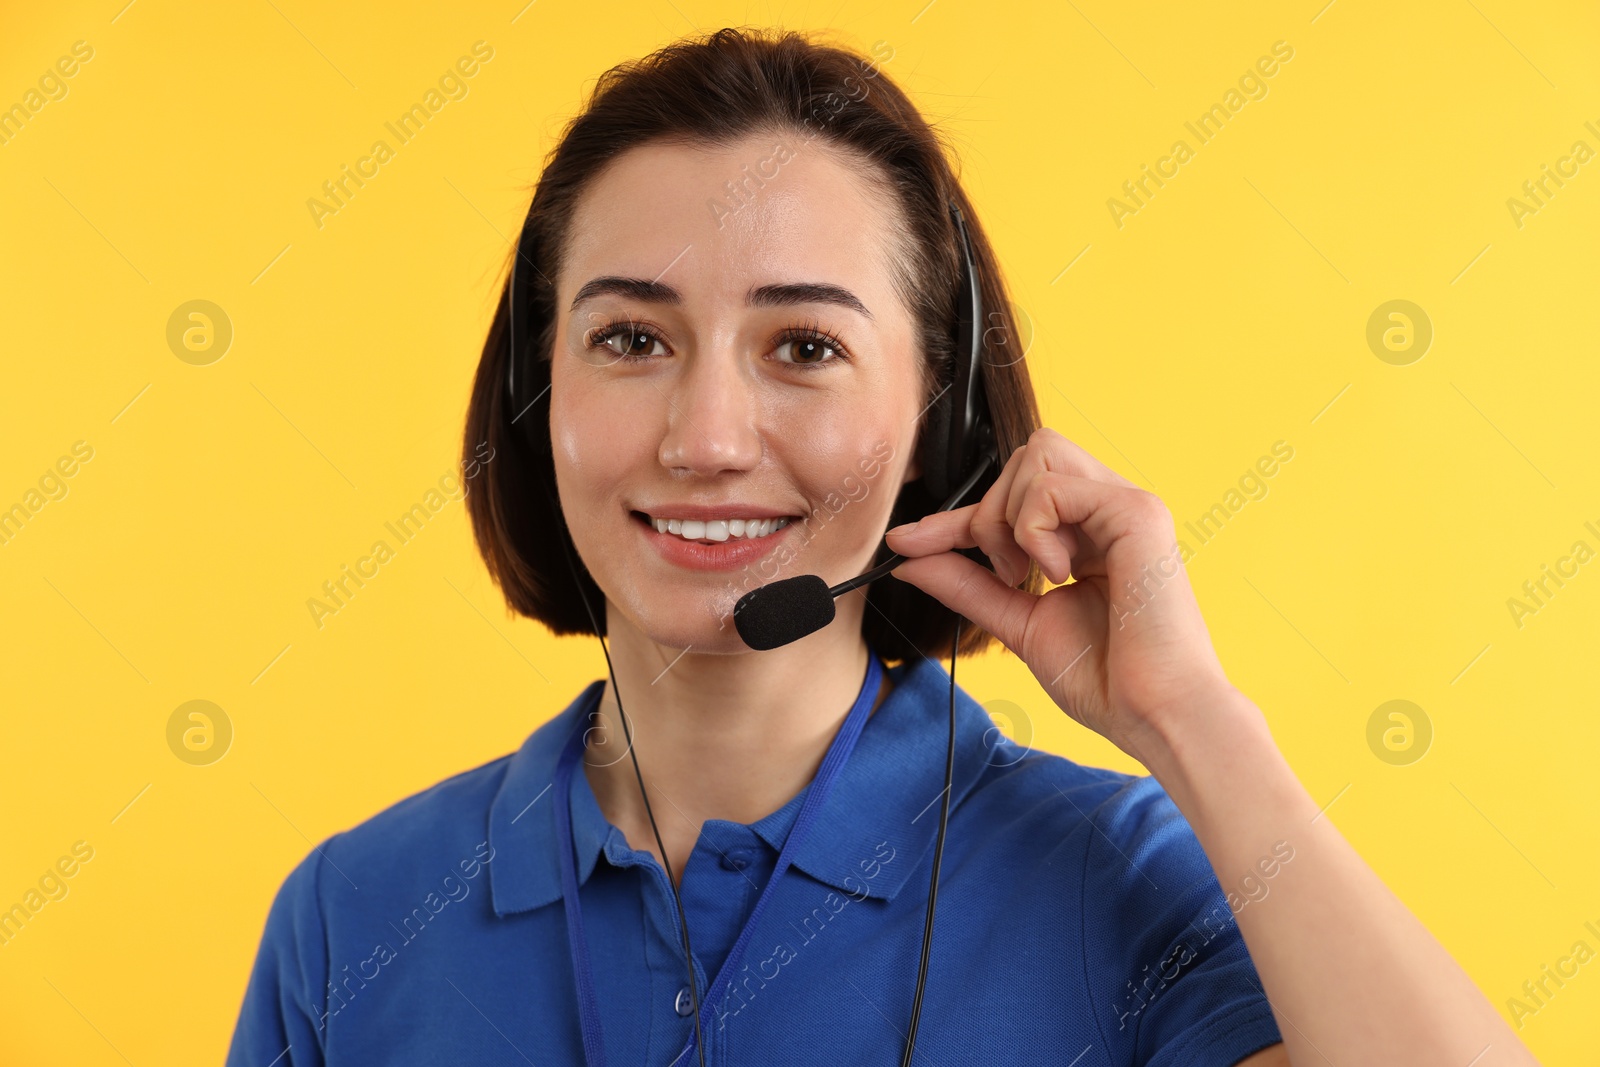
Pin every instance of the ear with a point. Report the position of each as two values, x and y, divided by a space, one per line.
914 468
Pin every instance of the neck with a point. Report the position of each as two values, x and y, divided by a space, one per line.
718 736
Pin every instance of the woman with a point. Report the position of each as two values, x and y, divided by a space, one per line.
740 281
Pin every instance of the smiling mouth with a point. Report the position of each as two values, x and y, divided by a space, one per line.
714 531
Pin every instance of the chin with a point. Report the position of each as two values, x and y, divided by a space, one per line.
671 622
706 640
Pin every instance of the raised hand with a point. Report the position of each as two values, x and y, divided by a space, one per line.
1124 647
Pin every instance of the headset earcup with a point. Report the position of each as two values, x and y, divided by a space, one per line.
933 446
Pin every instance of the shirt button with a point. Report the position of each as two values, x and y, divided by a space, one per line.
684 1005
734 861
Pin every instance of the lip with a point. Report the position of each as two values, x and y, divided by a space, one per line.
704 512
732 554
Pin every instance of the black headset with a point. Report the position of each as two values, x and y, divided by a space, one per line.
957 453
959 429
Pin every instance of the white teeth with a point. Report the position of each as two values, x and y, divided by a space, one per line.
718 529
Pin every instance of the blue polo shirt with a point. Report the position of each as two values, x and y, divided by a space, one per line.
1079 923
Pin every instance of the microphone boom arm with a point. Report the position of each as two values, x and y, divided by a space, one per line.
895 560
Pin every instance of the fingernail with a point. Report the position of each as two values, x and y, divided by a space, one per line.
906 528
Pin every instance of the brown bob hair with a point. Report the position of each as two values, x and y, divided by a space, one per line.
716 90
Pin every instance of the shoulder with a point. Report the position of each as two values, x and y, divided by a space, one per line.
360 896
1034 789
425 828
1015 772
1025 808
1113 877
1105 828
431 841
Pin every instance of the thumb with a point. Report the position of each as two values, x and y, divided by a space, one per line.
974 592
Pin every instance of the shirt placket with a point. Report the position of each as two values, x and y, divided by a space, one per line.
717 897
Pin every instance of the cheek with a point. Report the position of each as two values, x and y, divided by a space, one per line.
593 453
597 435
851 466
571 433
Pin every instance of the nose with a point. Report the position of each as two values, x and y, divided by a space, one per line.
711 416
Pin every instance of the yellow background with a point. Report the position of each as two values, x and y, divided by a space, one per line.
1229 313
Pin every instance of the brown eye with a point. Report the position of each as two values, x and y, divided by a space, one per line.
635 343
809 348
626 340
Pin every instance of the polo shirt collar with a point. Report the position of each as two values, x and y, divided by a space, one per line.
877 824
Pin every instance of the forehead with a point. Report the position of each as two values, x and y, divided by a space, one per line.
715 221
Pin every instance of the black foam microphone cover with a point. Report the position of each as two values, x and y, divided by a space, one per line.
774 615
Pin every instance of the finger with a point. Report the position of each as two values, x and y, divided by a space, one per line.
1104 512
1064 549
974 592
940 532
1040 532
1049 451
1053 546
990 531
1069 524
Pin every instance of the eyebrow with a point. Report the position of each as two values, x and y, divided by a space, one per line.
782 295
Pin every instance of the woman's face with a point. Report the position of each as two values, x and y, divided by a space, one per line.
730 364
